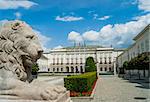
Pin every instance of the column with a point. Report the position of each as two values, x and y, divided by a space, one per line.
114 68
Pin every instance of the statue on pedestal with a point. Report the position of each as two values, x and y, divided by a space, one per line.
19 50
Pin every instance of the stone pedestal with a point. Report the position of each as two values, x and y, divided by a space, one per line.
63 98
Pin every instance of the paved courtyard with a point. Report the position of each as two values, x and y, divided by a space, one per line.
112 89
56 80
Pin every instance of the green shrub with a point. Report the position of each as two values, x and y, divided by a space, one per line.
80 83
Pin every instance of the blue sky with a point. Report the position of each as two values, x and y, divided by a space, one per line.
62 22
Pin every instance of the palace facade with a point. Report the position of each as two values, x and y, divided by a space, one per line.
72 59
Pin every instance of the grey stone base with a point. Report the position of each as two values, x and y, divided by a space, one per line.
63 98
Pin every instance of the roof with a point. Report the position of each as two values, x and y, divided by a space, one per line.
142 32
43 57
83 47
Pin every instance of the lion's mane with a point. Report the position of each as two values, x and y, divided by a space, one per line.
12 41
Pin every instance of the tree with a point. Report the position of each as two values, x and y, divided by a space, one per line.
127 66
90 65
141 62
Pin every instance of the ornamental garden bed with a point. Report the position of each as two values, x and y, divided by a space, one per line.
84 93
81 85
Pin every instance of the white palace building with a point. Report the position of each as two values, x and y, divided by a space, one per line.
72 59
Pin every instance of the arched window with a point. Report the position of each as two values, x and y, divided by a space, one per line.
53 69
57 69
61 69
72 69
81 69
77 71
67 69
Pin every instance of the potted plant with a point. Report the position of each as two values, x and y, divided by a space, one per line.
35 69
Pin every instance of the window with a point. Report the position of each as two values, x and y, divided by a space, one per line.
80 60
61 69
72 69
61 61
147 45
100 60
142 47
81 69
53 69
53 61
101 69
105 61
67 60
67 69
77 69
138 49
105 68
57 69
76 61
109 60
110 69
71 60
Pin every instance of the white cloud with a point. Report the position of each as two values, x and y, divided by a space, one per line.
58 47
144 5
44 40
90 12
91 35
75 37
117 35
18 15
95 16
103 18
14 4
68 18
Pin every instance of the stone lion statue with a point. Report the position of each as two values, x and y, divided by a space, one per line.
19 50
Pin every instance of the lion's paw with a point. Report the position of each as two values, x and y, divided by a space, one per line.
59 89
49 95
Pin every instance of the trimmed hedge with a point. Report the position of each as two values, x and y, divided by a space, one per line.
80 83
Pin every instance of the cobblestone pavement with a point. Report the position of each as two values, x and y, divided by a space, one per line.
55 80
114 89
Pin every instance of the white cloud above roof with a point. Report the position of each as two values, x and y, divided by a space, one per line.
91 35
103 18
116 34
75 37
68 18
58 47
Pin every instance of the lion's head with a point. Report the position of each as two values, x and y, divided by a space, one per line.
19 48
